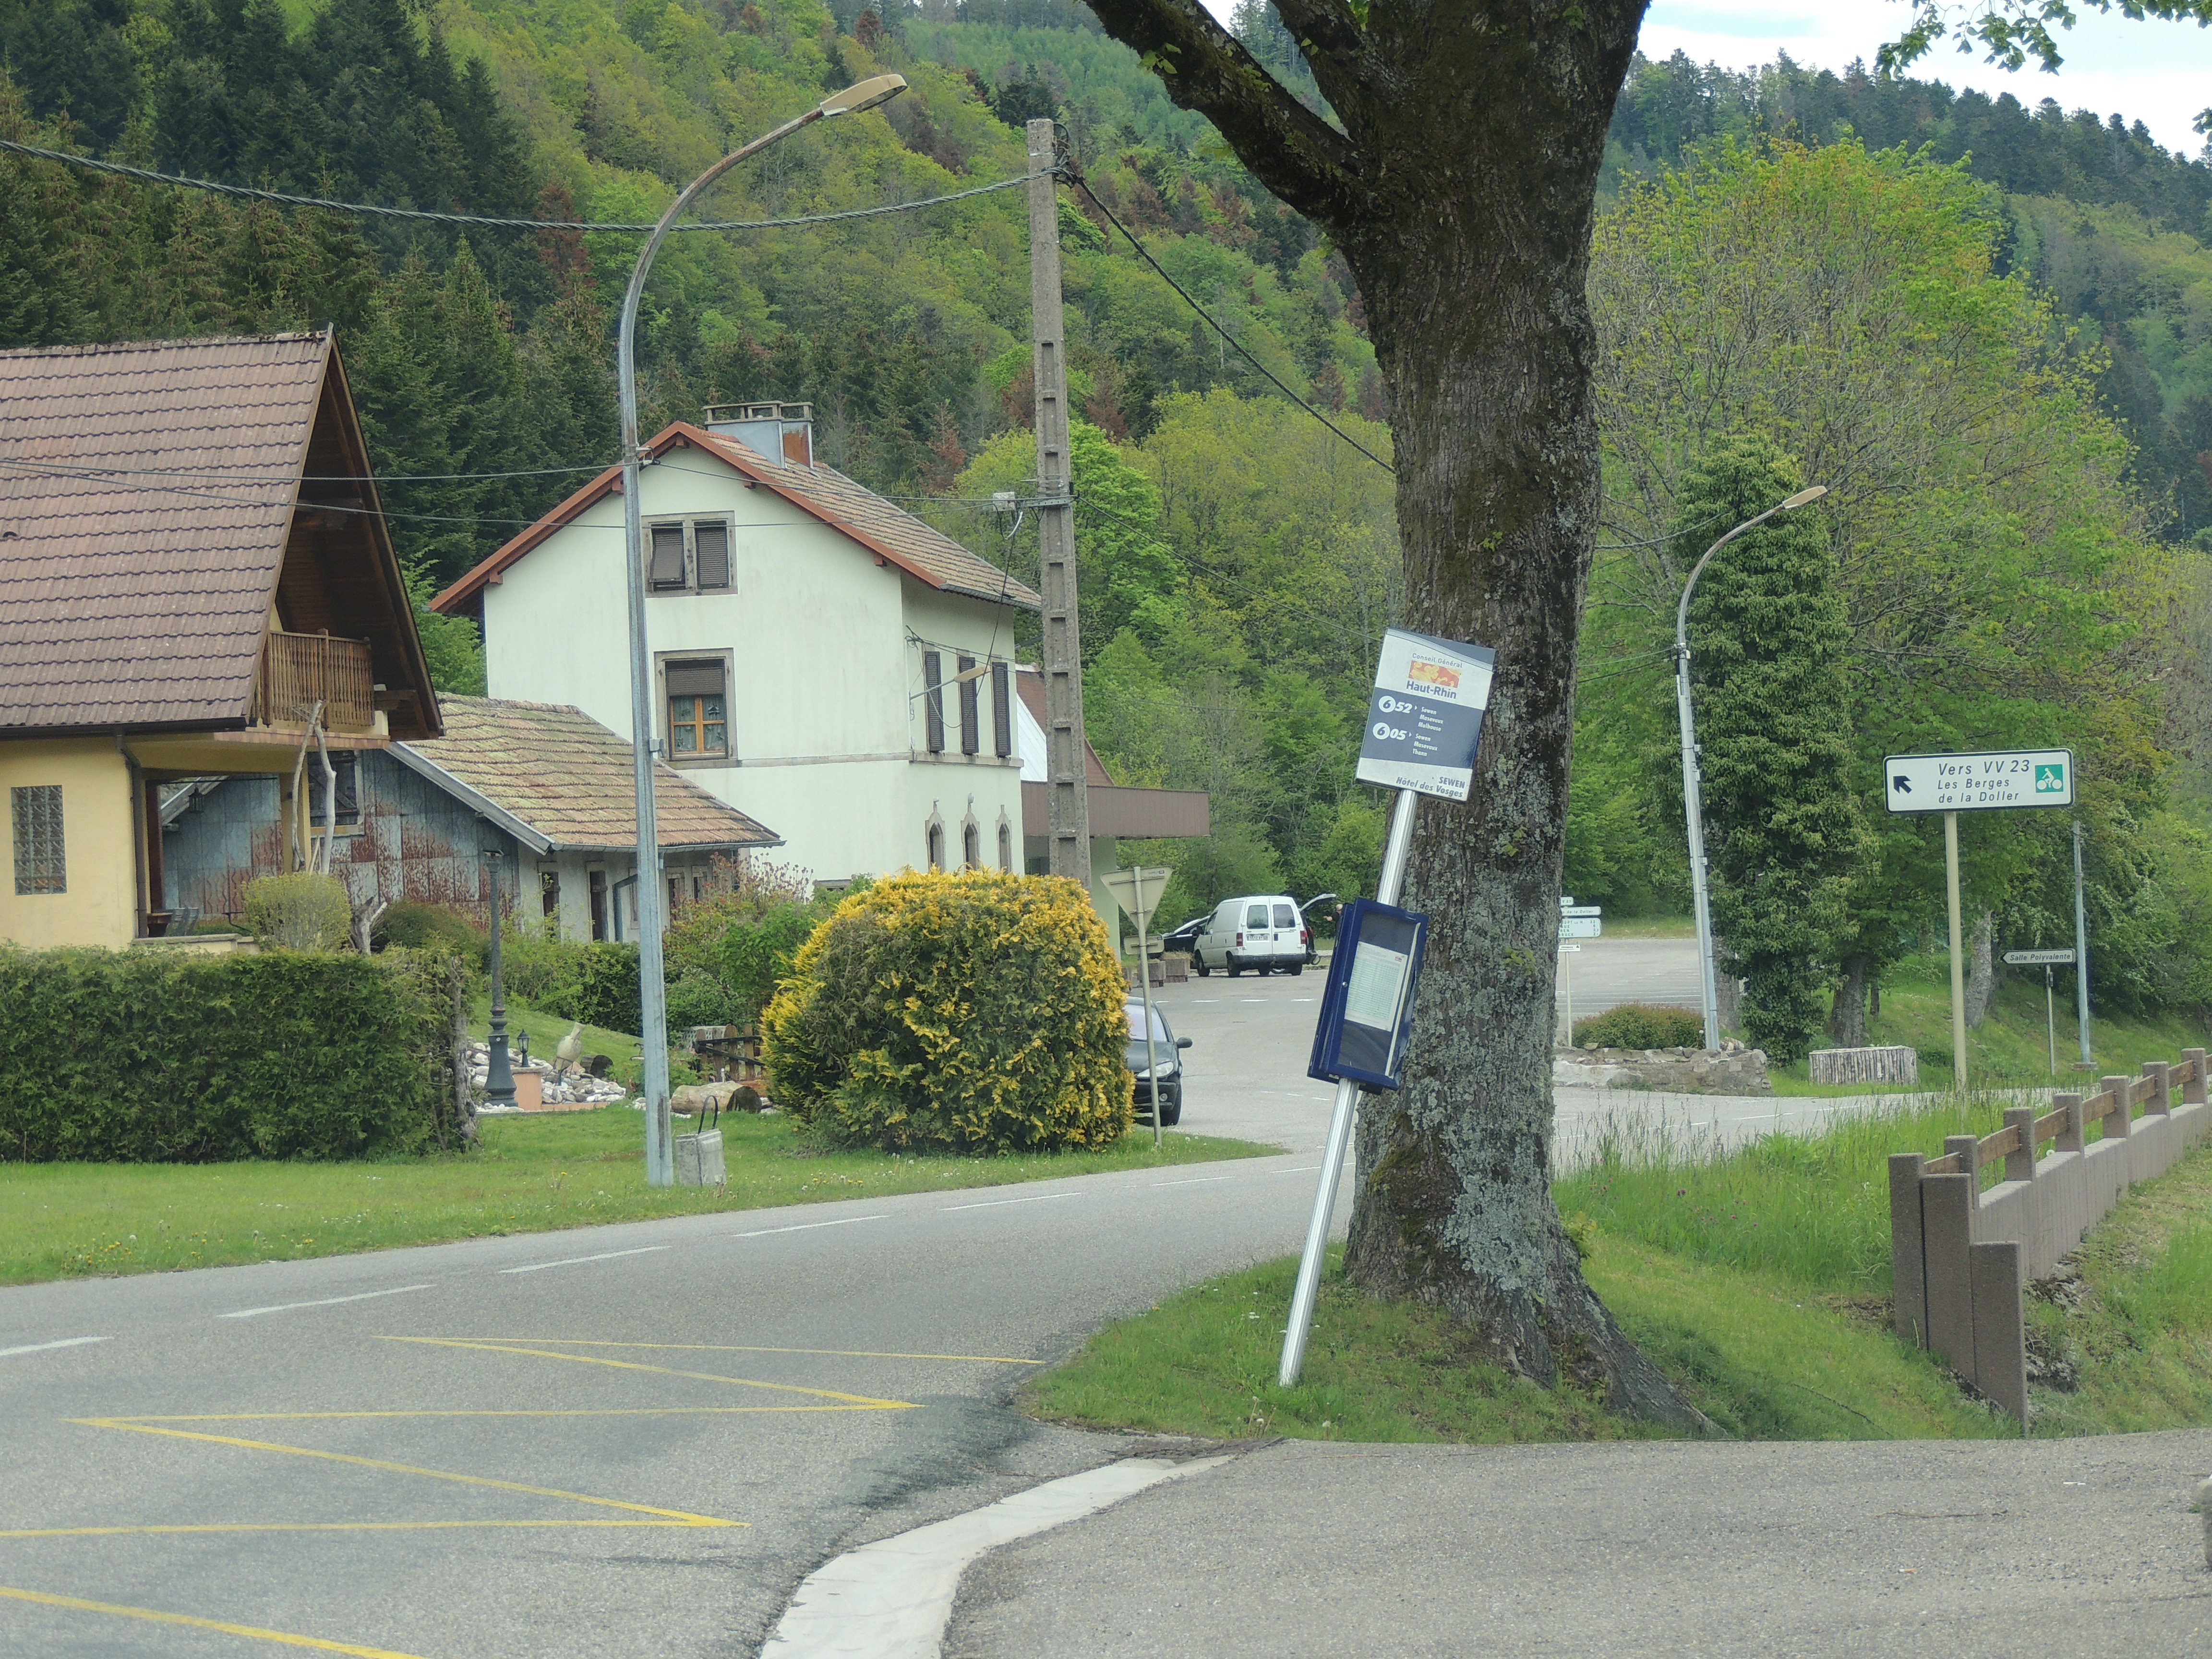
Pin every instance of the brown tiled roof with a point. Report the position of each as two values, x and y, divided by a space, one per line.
126 600
570 779
892 534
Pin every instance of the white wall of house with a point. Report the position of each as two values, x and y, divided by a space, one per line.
825 648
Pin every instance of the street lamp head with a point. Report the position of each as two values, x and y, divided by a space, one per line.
1804 495
867 96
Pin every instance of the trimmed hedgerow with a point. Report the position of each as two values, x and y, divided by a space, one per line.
971 1013
154 1056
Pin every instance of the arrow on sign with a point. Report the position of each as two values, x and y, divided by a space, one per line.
1902 784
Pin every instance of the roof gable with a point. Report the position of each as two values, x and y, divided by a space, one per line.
150 501
894 536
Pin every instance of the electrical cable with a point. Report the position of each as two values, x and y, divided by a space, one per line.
285 476
147 175
1079 181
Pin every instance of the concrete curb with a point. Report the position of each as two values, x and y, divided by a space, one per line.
2205 1507
890 1599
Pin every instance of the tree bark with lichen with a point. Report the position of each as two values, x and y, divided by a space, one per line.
1460 187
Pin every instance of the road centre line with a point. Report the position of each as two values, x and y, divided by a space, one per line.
578 1261
316 1526
853 1401
996 1203
135 1427
48 1347
725 1347
78 1604
805 1226
325 1301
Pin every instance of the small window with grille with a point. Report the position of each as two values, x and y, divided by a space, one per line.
35 812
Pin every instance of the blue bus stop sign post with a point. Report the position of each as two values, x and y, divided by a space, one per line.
1367 1008
1424 719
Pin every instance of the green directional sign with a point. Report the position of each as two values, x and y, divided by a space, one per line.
2050 779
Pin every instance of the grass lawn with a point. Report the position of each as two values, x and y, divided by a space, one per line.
536 1173
2010 1049
1758 1282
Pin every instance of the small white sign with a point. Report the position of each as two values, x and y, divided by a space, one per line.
2040 958
1377 986
1573 909
1581 927
1979 783
1424 716
1570 947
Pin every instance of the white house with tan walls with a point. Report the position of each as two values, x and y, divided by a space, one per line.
808 640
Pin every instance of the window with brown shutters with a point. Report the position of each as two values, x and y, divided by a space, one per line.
970 735
666 570
698 708
1002 713
711 550
932 702
36 815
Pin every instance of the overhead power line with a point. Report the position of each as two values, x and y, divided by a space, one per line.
1079 181
146 175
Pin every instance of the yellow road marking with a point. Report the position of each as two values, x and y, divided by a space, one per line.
518 1411
80 1605
716 1347
857 1402
317 1526
680 1516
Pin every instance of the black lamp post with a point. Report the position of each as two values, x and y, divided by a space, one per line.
499 1076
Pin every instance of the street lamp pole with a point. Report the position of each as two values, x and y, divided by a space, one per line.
653 988
1693 805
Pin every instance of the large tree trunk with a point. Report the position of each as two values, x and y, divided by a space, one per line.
1847 1018
1461 191
1981 970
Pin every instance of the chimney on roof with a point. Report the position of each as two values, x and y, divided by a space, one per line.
782 432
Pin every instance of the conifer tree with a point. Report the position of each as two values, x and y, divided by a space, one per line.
1783 830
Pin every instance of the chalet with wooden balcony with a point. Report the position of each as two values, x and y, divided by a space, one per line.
195 582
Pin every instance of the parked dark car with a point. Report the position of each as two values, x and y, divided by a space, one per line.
1185 937
1169 1047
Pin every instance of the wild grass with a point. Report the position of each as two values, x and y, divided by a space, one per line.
534 1173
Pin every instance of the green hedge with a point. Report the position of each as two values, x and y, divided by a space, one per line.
156 1056
1641 1025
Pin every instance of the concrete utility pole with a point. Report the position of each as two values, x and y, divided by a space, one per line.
1068 825
2081 975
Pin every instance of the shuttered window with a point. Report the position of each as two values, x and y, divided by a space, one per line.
1002 714
970 736
36 815
711 551
666 572
698 708
932 703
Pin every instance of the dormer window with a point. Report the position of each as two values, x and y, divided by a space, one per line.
688 556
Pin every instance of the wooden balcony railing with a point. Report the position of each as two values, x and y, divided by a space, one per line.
299 671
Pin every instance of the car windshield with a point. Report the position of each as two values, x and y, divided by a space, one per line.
1256 915
1135 1010
1284 916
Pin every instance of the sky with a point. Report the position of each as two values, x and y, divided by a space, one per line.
2159 74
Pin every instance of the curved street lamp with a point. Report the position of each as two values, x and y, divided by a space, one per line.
1692 806
653 989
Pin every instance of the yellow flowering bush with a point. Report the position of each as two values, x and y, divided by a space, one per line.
971 1012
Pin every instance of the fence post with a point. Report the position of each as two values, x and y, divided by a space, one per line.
2161 1098
2121 1119
2192 1085
1947 1209
2071 1138
1908 1261
2019 1163
2000 1343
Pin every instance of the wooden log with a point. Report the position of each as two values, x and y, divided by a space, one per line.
1893 1063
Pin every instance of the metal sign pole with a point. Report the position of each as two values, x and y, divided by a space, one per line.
2051 1017
1145 985
2080 955
1340 1126
1958 963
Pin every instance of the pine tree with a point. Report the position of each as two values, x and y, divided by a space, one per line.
1783 830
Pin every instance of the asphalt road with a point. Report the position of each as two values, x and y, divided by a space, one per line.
631 1440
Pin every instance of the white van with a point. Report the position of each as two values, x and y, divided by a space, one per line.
1259 930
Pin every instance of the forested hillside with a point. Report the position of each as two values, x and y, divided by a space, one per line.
2014 405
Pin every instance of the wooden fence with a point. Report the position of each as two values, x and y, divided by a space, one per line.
1963 1256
